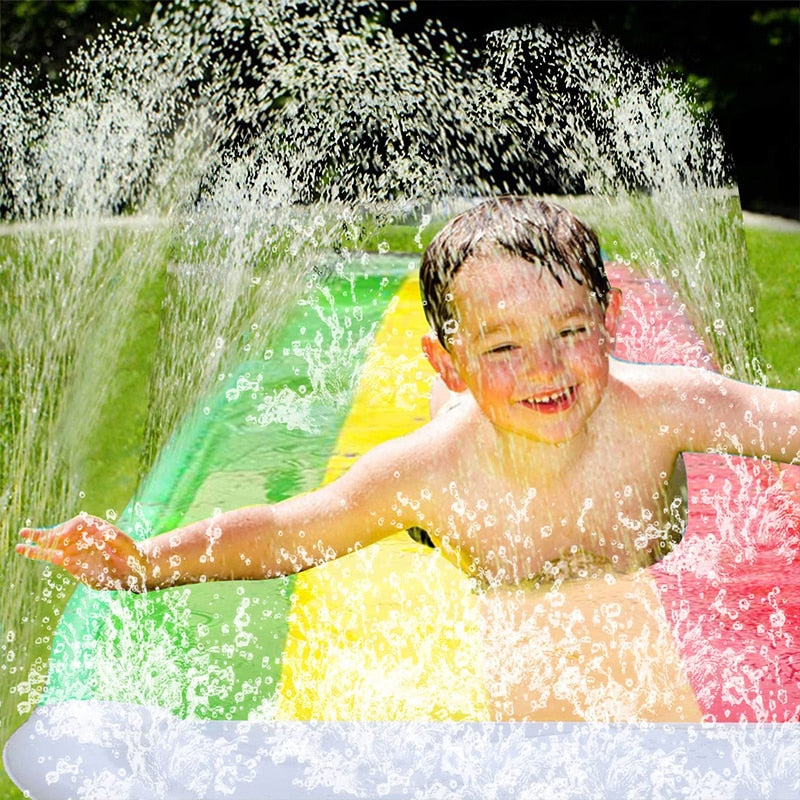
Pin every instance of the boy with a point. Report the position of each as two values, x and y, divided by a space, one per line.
550 458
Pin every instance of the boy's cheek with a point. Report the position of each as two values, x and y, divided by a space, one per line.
591 353
498 380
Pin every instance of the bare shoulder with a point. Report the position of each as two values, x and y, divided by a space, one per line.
704 410
663 384
692 387
666 397
418 457
448 436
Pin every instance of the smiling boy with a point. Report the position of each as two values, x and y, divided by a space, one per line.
549 458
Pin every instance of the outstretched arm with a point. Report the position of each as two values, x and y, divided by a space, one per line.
248 543
719 414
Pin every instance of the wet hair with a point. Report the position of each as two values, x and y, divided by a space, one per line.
539 231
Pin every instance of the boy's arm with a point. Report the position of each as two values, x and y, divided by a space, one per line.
249 543
719 414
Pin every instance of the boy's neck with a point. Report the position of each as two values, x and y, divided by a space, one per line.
545 461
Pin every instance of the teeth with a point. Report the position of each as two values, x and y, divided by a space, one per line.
550 398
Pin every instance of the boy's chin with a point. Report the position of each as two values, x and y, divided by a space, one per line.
556 441
555 434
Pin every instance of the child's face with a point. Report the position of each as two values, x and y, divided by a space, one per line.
533 354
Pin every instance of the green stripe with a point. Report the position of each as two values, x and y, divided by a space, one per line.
214 650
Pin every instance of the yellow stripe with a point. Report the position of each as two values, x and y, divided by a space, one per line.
389 632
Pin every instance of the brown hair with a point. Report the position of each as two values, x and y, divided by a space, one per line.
536 230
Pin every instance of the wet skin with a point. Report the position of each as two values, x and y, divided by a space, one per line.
538 411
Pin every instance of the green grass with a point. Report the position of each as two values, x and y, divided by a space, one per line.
401 238
113 458
775 258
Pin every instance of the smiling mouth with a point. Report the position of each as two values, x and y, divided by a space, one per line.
553 402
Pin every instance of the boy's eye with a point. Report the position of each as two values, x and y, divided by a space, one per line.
501 348
573 330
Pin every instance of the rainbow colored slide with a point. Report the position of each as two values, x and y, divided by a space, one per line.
363 677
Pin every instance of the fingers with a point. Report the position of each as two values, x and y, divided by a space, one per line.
43 544
85 547
92 567
38 553
35 535
83 530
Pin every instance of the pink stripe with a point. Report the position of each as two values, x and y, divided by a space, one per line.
731 590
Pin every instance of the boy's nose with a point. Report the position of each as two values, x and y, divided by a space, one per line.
545 363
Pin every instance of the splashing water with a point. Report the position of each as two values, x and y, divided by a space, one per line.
234 152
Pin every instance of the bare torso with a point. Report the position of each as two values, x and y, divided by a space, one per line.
521 517
511 511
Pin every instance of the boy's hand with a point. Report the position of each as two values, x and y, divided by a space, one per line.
91 549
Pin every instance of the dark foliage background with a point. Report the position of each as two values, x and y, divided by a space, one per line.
742 59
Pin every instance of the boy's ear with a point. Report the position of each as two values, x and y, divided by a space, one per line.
442 362
613 310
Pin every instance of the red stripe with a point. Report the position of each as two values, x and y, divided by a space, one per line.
731 589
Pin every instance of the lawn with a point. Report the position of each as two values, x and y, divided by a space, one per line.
775 258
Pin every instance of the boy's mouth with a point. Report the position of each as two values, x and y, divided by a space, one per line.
552 402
